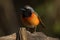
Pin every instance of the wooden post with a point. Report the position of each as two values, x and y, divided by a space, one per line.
23 33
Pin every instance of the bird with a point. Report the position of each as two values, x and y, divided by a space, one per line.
29 18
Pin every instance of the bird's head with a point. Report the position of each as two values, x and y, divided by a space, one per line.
26 11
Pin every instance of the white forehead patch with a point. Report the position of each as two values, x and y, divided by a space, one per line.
29 7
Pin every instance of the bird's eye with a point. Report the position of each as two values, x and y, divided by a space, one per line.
27 13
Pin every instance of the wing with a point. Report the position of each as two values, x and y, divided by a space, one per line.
41 22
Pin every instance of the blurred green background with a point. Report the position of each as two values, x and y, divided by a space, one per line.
48 10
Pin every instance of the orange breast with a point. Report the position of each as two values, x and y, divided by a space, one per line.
33 20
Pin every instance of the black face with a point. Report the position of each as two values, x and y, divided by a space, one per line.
26 12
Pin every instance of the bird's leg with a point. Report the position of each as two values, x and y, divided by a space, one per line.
31 29
34 29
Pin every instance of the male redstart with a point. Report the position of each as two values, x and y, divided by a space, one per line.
29 18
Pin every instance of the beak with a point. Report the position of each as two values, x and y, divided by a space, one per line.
20 11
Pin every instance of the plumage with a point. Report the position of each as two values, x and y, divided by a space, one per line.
29 18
